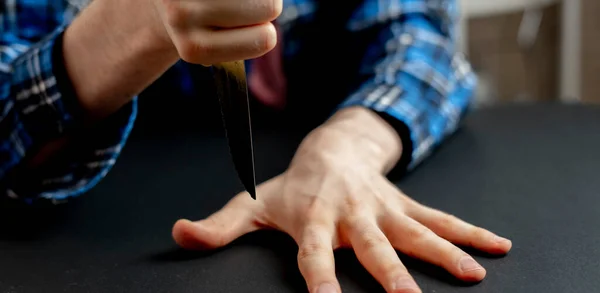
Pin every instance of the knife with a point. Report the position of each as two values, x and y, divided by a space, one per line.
232 91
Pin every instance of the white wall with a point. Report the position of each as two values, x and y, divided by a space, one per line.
570 71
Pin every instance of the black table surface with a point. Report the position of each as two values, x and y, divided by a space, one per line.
528 172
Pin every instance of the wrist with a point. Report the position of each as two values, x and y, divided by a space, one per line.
140 30
112 54
369 134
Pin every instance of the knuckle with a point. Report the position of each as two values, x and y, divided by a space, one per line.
268 37
220 240
371 240
194 52
274 8
381 199
268 10
314 214
480 233
393 270
174 14
311 233
353 205
310 249
409 202
448 220
401 276
419 232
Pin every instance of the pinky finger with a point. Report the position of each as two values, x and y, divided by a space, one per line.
460 232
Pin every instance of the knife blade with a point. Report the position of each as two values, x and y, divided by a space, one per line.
232 91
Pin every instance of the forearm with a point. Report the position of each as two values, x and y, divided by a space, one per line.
112 52
109 57
72 92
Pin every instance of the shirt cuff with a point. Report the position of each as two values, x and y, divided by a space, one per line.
48 109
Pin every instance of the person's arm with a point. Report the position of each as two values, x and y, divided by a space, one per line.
418 81
68 94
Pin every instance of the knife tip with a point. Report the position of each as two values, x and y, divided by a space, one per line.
252 193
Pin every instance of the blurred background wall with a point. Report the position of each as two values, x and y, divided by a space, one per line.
590 37
533 50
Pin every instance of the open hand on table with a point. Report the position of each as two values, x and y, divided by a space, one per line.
335 195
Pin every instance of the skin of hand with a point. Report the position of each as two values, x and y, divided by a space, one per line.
335 195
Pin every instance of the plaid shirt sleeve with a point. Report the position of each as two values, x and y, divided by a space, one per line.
416 76
37 106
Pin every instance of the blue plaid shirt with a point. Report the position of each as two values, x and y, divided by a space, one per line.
415 75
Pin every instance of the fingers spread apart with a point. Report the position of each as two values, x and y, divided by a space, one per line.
377 255
458 231
412 238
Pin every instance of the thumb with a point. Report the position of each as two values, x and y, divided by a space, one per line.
219 229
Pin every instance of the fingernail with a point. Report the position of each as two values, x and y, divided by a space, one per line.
405 285
327 288
468 264
499 239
